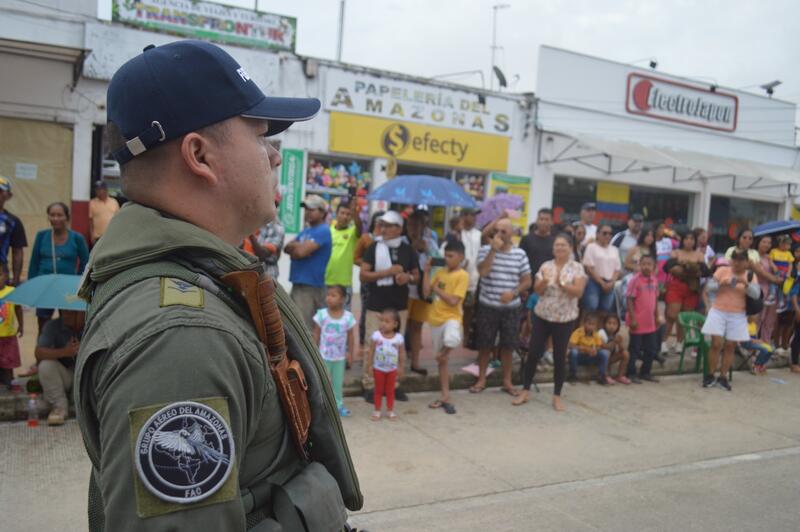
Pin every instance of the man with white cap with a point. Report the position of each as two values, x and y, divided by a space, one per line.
310 252
389 266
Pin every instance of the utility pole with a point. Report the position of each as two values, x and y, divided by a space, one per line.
341 31
495 8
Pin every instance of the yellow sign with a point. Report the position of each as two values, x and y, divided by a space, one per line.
405 141
517 186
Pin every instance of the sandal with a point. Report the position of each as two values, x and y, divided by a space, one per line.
392 416
513 392
376 416
420 371
521 399
436 404
476 388
448 408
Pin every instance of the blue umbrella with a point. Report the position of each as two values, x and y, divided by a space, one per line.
778 226
49 291
423 190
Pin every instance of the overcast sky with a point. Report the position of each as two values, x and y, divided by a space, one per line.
738 43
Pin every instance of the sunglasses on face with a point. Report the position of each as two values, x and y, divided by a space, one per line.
605 232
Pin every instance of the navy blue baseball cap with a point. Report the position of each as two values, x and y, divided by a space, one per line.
168 91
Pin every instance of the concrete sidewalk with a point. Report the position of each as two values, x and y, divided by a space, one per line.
632 458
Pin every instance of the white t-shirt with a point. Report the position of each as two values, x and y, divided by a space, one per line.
333 334
472 244
591 233
387 351
604 260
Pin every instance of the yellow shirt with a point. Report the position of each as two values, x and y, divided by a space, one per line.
8 318
580 339
454 283
752 329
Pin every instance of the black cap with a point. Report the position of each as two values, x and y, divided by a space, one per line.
589 206
637 217
168 91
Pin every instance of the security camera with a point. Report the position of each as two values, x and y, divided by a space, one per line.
770 87
653 64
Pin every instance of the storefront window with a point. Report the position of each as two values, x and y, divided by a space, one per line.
656 205
474 184
730 215
337 179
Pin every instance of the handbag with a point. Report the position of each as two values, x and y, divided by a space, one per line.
753 305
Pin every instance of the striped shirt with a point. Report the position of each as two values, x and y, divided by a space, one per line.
507 270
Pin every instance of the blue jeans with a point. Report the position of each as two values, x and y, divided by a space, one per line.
764 351
577 358
595 299
644 347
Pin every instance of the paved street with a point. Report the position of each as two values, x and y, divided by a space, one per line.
669 456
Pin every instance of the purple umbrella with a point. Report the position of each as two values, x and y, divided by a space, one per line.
497 205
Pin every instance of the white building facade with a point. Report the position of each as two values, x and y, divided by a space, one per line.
640 141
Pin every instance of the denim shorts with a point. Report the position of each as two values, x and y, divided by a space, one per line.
595 299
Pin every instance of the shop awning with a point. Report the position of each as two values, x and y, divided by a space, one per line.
614 157
73 56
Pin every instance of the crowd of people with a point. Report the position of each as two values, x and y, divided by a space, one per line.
567 295
58 250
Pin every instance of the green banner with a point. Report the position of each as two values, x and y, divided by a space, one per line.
292 189
209 21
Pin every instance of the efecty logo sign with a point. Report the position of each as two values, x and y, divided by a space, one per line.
407 141
681 103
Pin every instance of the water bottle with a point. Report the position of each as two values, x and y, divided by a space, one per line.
33 410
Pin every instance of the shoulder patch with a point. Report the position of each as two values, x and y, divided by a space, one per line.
184 454
179 292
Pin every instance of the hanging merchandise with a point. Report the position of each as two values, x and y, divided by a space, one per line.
473 184
338 180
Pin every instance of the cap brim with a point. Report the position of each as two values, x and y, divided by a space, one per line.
283 112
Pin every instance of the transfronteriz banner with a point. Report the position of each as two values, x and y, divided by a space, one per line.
291 189
406 141
209 21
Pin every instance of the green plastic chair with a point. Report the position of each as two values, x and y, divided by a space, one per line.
692 323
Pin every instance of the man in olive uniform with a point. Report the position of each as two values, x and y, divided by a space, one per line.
177 405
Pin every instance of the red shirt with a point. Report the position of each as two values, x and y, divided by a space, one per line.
644 291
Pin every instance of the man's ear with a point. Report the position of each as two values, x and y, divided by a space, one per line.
201 156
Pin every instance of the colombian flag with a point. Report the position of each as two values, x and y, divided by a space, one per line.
612 201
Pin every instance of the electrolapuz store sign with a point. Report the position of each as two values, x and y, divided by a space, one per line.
681 103
210 21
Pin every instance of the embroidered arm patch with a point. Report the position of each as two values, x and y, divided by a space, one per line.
184 455
179 292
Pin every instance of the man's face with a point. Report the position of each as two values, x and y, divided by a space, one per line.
248 161
74 319
587 216
343 216
314 216
635 226
102 193
416 224
468 220
391 231
505 230
544 222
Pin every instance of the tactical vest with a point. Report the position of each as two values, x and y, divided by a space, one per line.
284 501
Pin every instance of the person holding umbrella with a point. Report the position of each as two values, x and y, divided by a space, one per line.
57 250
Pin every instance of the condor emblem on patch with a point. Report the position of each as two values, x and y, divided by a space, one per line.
184 452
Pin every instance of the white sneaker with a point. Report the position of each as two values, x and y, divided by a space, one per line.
677 347
664 347
548 357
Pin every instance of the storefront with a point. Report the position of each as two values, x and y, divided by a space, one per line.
405 126
676 150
